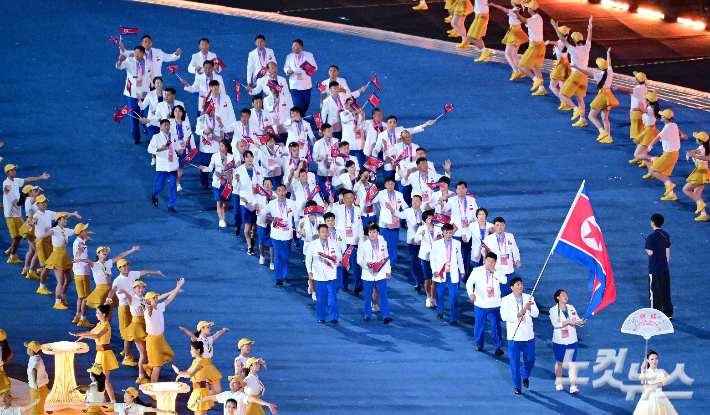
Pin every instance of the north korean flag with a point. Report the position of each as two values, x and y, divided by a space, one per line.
227 189
316 118
310 69
129 30
173 68
114 40
377 266
581 241
191 155
219 63
321 87
273 85
119 114
377 85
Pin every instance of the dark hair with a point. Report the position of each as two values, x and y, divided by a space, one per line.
269 179
199 346
569 40
328 215
334 66
492 255
259 37
498 219
372 226
292 144
161 79
705 144
421 159
420 149
325 126
100 380
352 163
447 227
256 97
204 39
164 121
23 197
363 170
557 294
427 214
104 309
413 196
226 144
657 219
171 90
246 111
140 48
5 351
462 183
656 108
146 36
297 109
214 83
650 352
390 179
208 62
270 63
232 401
322 225
346 191
375 111
343 144
248 153
446 180
311 203
184 113
332 84
299 41
280 186
602 81
481 209
391 117
514 280
302 171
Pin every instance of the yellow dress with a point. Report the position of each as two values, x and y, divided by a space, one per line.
515 36
4 380
646 137
562 70
199 388
105 358
59 259
460 7
98 296
701 174
604 100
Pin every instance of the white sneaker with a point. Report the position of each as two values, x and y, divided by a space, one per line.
313 296
222 224
428 303
573 389
559 387
152 161
271 266
179 189
309 289
262 260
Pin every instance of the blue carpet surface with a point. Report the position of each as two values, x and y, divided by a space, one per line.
519 154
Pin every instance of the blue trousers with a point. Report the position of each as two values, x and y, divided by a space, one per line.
505 288
326 292
514 350
466 255
152 130
135 124
205 159
417 274
281 251
492 314
199 107
160 177
453 297
406 193
392 238
382 289
237 210
301 98
355 268
426 269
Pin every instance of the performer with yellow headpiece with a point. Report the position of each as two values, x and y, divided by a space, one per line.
204 335
604 100
94 391
637 102
514 37
562 70
651 112
661 168
534 56
701 175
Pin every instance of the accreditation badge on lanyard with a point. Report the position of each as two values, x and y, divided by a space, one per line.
299 62
140 71
284 215
272 162
489 281
565 330
501 248
393 203
462 211
349 225
329 266
424 188
519 305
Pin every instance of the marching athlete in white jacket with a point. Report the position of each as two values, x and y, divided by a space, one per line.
372 257
447 267
426 235
503 244
258 59
166 149
322 261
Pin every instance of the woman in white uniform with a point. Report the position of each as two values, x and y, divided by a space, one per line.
515 37
650 112
180 126
562 70
96 391
427 234
654 401
564 318
253 386
222 164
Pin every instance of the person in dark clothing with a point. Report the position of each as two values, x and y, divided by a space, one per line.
658 247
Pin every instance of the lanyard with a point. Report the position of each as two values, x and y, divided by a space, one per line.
418 216
208 79
262 57
325 246
375 250
462 208
180 132
299 59
306 191
448 251
351 212
489 278
501 243
331 235
282 208
299 128
337 102
563 312
392 137
260 119
245 131
139 69
393 199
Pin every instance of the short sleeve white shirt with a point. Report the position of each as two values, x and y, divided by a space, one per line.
480 6
125 283
534 25
13 410
240 397
670 137
155 323
60 238
132 409
137 306
102 272
44 221
637 95
36 362
10 198
579 55
609 77
80 268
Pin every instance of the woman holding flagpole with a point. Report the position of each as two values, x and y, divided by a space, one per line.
222 164
180 126
564 318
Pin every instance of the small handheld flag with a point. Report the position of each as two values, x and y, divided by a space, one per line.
433 186
321 87
328 187
207 98
191 155
327 257
314 192
377 85
316 118
219 63
377 266
374 100
263 138
276 87
128 86
279 224
227 191
261 73
173 69
119 114
354 105
258 190
129 30
114 40
318 210
310 69
346 255
209 107
447 109
238 85
371 193
375 162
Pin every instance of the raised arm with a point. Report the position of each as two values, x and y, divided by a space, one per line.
150 272
175 291
34 179
85 261
219 333
589 29
608 57
559 34
27 408
189 333
520 16
125 254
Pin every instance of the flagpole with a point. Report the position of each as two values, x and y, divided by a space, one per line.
437 118
532 293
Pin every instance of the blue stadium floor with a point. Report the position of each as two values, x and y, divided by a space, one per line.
518 153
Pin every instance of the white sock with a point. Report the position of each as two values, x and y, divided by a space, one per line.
82 318
667 182
671 193
576 108
24 269
698 202
43 286
484 50
12 256
57 301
